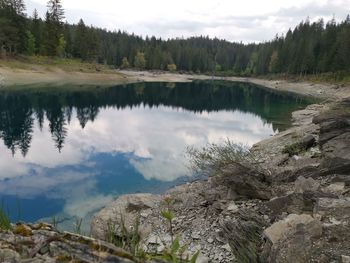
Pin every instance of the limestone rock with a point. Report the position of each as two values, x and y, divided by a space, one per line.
46 244
291 239
283 228
303 184
335 188
338 209
126 208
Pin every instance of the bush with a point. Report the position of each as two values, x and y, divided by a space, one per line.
171 67
214 158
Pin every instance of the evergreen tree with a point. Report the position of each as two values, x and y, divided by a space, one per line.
54 27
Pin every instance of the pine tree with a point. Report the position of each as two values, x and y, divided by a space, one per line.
54 26
30 44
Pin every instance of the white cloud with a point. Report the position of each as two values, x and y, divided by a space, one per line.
157 138
249 20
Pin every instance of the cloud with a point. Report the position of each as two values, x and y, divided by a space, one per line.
247 21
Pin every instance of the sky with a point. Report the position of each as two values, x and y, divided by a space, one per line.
233 20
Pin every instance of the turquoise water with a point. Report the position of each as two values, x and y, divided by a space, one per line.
68 151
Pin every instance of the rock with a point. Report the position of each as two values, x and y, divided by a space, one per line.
196 235
45 244
232 207
341 178
336 188
246 182
292 175
283 228
210 240
338 209
338 147
226 247
291 239
307 141
202 259
292 203
303 184
295 203
345 259
8 255
243 233
128 208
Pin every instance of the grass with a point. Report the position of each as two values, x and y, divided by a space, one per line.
130 240
49 63
213 158
294 149
5 223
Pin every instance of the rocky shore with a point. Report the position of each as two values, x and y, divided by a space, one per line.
298 210
291 205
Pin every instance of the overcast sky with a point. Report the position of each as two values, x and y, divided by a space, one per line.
234 20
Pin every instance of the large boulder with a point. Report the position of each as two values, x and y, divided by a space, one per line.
244 182
243 234
333 209
291 239
283 228
303 184
124 212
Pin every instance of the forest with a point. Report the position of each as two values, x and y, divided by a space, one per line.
310 48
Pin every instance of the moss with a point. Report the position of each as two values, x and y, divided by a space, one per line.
64 258
23 230
293 149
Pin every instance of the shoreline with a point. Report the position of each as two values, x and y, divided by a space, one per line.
55 76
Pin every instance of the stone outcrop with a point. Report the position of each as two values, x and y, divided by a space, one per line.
40 242
124 211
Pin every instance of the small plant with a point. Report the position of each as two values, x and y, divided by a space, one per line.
77 225
294 149
54 221
168 215
175 253
128 239
214 158
5 223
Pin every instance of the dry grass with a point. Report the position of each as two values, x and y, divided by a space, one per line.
52 64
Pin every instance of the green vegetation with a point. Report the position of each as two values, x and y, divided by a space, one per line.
130 240
171 67
317 50
214 158
5 223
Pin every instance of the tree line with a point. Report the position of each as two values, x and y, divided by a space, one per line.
310 48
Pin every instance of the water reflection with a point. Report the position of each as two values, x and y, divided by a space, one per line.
71 150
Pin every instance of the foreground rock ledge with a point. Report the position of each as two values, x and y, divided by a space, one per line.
42 243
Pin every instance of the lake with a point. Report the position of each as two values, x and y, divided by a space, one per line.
67 151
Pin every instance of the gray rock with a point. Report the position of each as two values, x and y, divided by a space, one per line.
202 259
303 184
8 255
338 209
291 239
232 207
126 208
244 235
335 188
345 259
285 227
